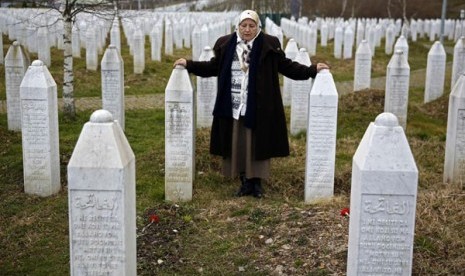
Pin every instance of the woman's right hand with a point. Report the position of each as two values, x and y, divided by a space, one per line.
181 61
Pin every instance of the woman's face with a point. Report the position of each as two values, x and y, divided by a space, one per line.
248 29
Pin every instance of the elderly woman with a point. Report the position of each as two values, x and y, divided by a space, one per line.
249 124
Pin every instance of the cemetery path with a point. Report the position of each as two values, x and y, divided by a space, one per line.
152 101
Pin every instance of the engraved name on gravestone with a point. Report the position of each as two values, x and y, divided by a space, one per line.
101 200
39 111
206 93
382 201
113 84
299 97
179 136
397 87
454 163
321 138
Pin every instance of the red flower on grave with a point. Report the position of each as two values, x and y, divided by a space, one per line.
154 218
345 212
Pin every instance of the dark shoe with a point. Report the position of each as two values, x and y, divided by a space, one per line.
257 188
247 187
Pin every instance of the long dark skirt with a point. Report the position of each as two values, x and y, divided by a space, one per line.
242 157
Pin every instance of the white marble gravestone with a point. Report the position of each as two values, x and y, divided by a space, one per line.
113 84
312 40
382 201
402 45
139 52
360 33
102 200
76 42
16 63
1 47
299 97
397 87
204 36
290 51
168 38
31 39
155 43
454 163
321 138
196 43
372 39
39 130
338 39
179 136
324 35
362 72
91 50
43 48
206 93
348 43
435 72
458 63
115 35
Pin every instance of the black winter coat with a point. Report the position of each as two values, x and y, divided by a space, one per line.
265 110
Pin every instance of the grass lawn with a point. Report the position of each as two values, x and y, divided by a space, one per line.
216 233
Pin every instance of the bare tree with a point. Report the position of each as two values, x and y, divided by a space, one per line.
68 11
343 10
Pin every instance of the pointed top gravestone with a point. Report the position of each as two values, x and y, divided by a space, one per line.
16 63
458 63
290 51
39 112
112 70
321 138
206 93
299 97
179 136
1 48
382 201
454 163
362 72
435 72
102 200
402 45
397 87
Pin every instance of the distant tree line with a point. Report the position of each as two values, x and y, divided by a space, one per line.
380 8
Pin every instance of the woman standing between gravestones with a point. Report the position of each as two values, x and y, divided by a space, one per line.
249 124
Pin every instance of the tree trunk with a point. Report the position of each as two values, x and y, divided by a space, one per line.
344 5
389 8
69 109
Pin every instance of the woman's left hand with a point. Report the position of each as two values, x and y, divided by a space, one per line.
320 66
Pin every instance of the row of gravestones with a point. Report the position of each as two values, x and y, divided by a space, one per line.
113 94
296 93
381 231
178 30
90 32
347 34
101 181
